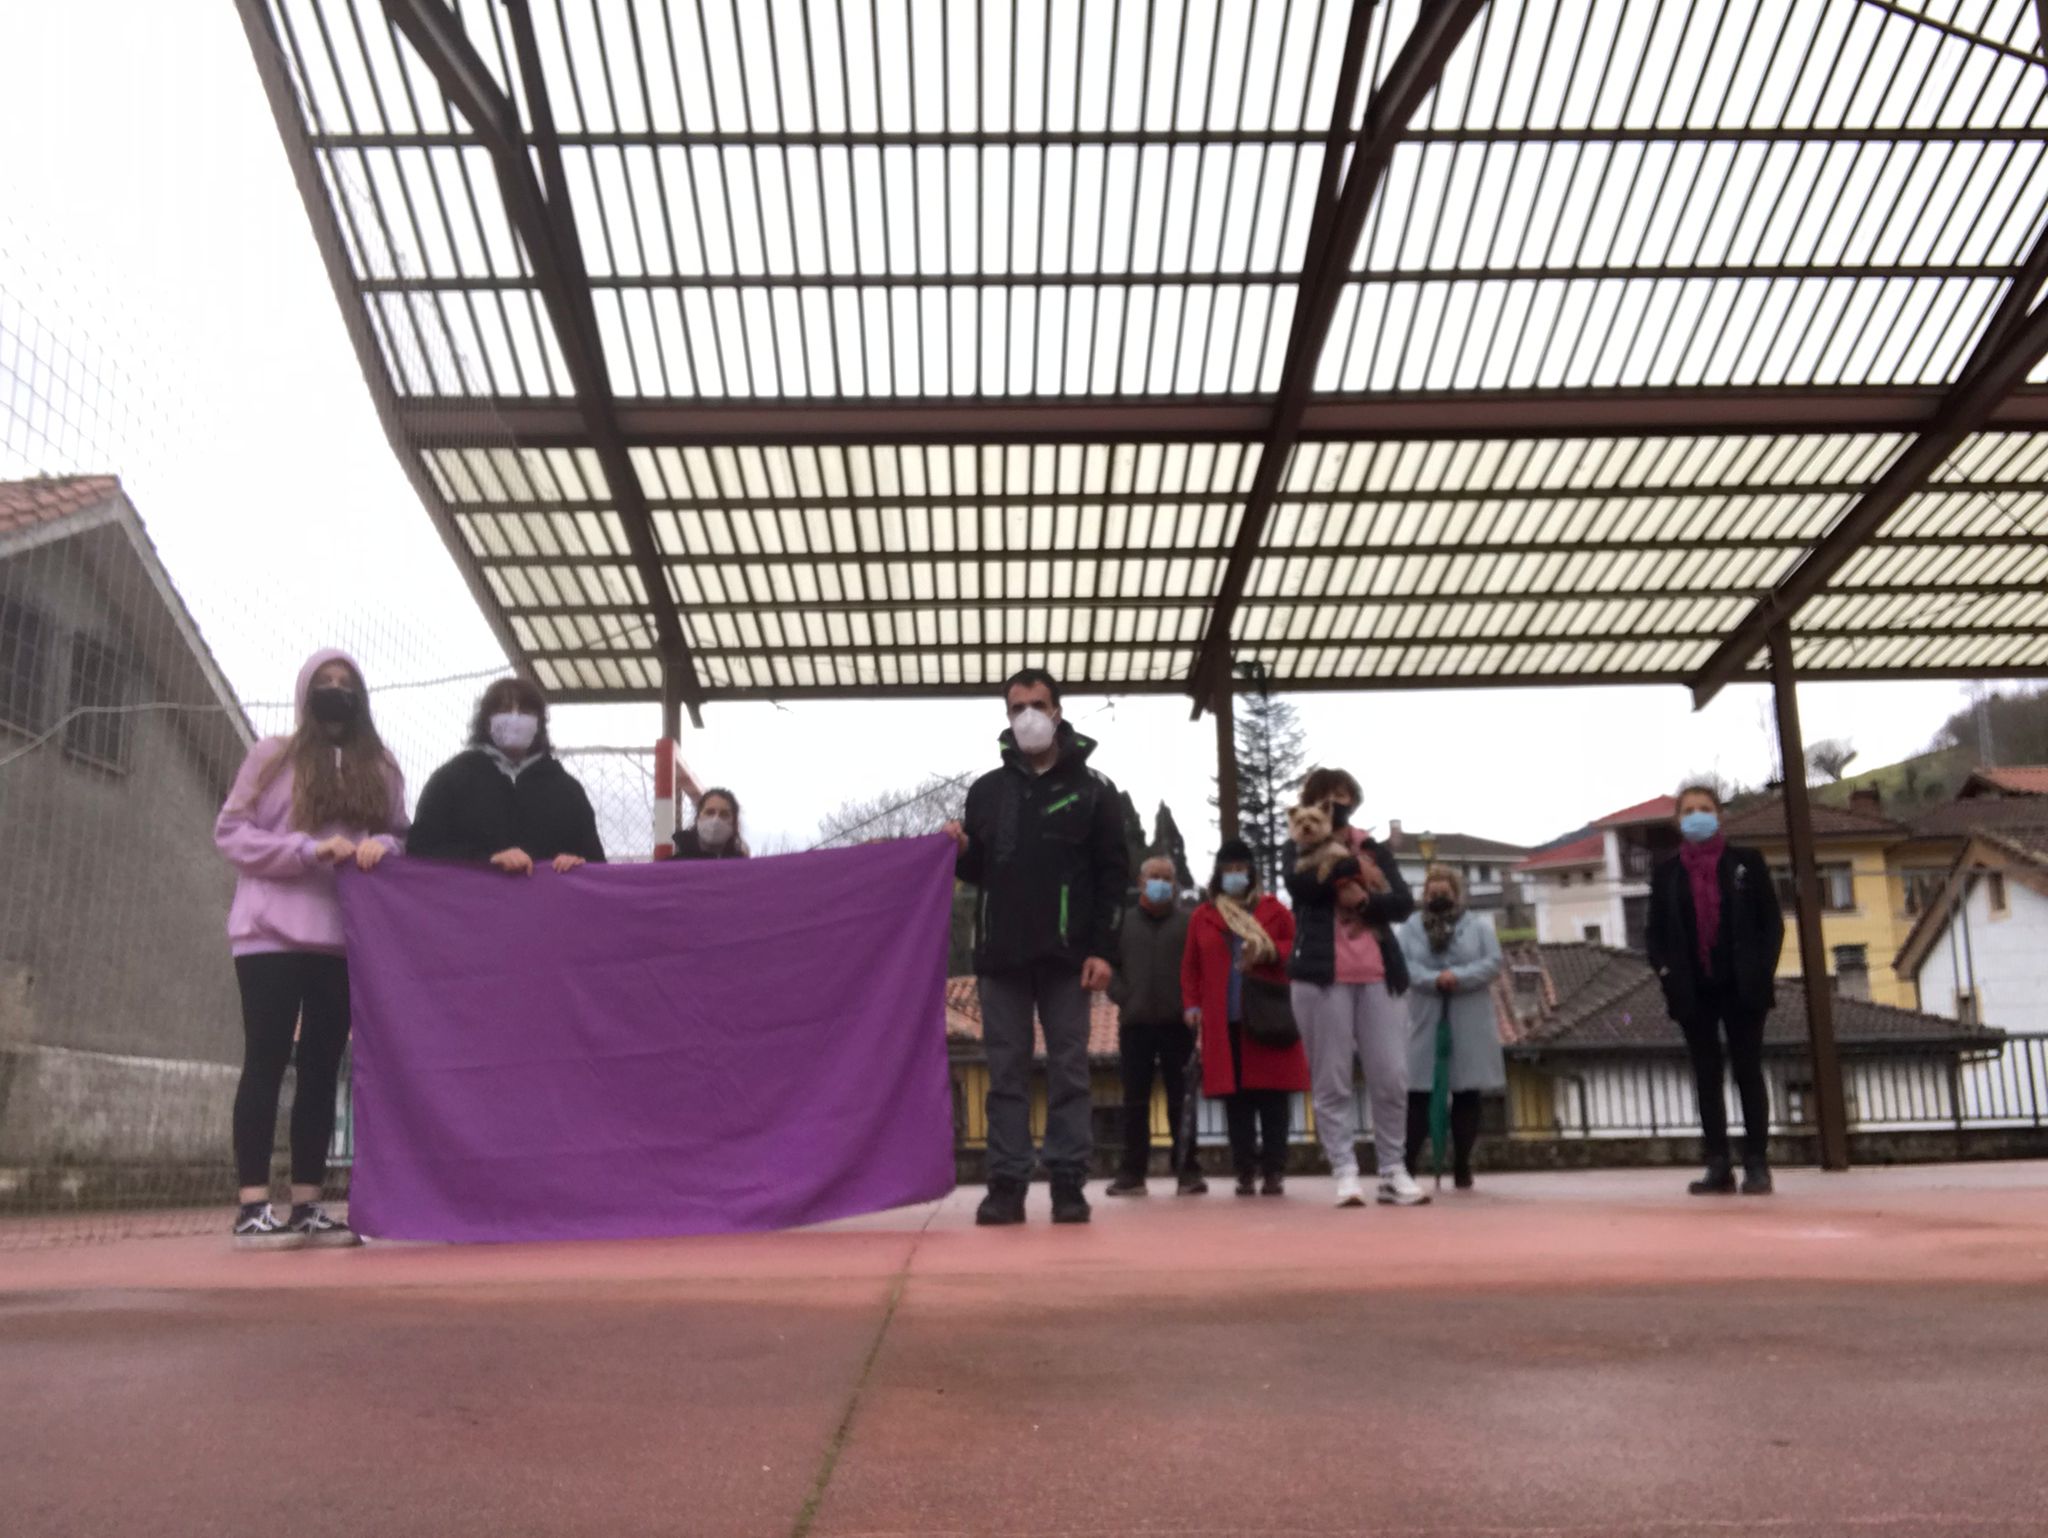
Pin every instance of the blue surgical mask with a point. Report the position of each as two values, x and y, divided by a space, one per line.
1236 883
1158 893
1698 827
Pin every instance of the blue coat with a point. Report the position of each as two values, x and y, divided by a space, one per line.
1474 959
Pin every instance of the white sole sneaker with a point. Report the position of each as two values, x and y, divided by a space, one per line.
279 1241
1350 1193
1392 1195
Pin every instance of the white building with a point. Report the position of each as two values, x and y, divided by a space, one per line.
1980 950
1486 866
1596 886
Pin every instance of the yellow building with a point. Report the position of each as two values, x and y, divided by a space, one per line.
1863 919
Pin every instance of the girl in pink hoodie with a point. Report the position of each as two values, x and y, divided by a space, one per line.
301 805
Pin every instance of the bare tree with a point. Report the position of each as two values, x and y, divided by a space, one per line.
898 814
1831 756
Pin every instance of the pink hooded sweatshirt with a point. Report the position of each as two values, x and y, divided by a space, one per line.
284 897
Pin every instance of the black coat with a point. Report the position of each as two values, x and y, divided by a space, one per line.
471 809
1745 961
1315 920
1047 851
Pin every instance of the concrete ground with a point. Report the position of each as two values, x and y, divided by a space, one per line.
1865 1354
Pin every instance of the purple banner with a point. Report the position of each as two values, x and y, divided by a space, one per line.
688 1048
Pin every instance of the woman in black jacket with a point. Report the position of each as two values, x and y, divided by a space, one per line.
507 800
715 835
1348 973
1714 933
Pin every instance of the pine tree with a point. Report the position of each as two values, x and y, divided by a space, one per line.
1269 768
1166 840
1134 841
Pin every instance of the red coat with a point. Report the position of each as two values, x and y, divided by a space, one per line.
1205 985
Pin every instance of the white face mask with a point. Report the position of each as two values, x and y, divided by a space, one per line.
714 830
1034 730
513 732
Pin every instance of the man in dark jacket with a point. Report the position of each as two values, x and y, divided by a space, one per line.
1151 1028
1043 839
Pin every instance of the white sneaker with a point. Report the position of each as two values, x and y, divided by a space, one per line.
1350 1193
1398 1189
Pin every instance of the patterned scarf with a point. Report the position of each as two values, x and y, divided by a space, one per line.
1440 927
1259 950
1702 864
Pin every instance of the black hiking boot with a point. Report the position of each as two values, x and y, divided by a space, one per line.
1068 1204
1719 1180
1003 1205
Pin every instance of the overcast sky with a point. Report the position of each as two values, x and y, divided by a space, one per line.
148 220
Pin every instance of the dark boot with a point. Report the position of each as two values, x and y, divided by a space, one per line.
1273 1185
1127 1184
1247 1184
1191 1181
1068 1204
1003 1205
1756 1179
1719 1180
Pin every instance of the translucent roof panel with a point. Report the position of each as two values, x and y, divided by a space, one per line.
884 346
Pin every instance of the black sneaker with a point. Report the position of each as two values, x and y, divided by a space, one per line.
1127 1185
1273 1185
1003 1205
1068 1204
320 1228
1756 1180
1719 1180
1462 1179
1192 1183
1247 1186
257 1228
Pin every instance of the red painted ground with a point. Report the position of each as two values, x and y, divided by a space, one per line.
1560 1355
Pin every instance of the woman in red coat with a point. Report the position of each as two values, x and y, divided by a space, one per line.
1254 1081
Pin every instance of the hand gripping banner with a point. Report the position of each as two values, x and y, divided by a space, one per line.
626 1051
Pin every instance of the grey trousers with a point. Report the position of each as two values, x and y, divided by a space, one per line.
1007 1002
1361 1021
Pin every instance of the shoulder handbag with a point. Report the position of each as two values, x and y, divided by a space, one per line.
1268 1016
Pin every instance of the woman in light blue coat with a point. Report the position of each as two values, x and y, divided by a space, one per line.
1453 958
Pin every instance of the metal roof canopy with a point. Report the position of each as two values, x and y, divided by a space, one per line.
881 347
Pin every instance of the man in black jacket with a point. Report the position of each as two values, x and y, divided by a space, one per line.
1151 1025
1043 839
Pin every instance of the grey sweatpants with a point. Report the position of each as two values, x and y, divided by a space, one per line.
1007 1000
1363 1021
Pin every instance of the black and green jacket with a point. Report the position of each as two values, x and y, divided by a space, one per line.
1047 851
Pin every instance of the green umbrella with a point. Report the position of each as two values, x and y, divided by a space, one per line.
1440 1093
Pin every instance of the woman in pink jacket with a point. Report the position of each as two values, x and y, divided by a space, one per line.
300 806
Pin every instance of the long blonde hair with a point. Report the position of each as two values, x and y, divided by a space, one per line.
346 783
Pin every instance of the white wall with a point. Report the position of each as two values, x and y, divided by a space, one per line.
2007 954
1562 912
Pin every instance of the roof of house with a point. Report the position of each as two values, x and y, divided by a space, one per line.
1595 996
2014 780
94 511
1987 848
963 1020
1766 819
1454 846
1590 850
1656 809
1960 819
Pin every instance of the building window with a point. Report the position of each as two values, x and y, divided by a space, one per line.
1994 886
24 640
1837 887
1592 934
1923 888
1486 873
97 731
1966 1009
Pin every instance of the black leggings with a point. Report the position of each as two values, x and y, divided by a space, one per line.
283 990
1744 1057
1464 1128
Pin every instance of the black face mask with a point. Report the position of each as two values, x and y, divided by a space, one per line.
1340 815
1441 905
333 706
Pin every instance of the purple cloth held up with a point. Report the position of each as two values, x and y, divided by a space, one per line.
637 1050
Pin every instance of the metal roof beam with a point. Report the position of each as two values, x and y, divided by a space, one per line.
2014 340
454 422
545 224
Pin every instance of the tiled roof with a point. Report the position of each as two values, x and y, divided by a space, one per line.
1598 996
51 498
2028 843
1766 819
1960 819
963 1020
1455 846
1656 809
1590 850
2018 780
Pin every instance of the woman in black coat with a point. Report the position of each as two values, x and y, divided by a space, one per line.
507 800
1714 934
715 835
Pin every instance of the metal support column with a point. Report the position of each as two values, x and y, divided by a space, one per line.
1813 959
1224 707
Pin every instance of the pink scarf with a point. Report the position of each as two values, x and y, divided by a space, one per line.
1703 870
